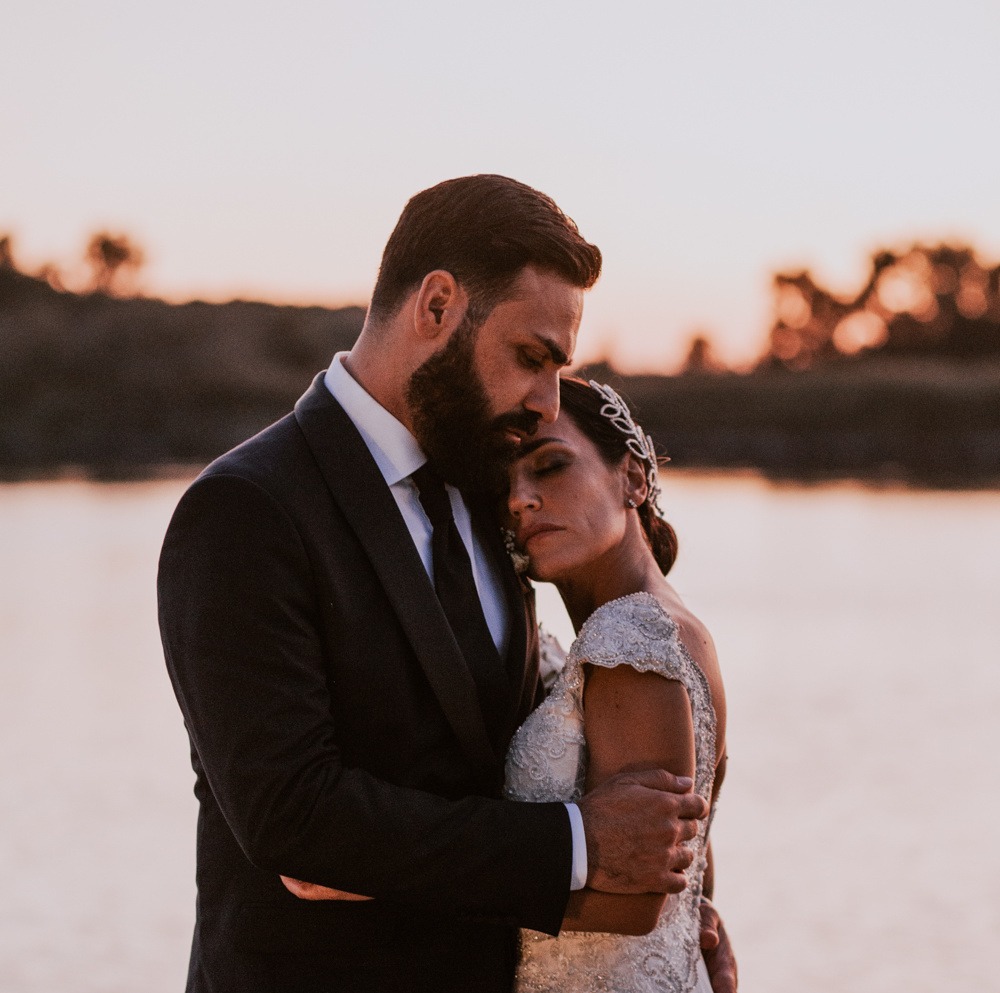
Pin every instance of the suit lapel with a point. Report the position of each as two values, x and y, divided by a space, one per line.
368 505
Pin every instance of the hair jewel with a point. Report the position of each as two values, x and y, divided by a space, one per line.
637 441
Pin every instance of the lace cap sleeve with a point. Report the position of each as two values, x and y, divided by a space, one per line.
634 631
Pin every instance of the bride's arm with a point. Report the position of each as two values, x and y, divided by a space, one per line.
591 910
313 891
632 720
708 880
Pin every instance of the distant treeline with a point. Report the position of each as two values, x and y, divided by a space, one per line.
96 384
897 381
116 388
922 421
939 301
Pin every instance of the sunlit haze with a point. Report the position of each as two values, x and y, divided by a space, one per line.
266 150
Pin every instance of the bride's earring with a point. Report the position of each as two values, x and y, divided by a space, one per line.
631 504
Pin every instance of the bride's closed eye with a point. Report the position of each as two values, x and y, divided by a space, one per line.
546 467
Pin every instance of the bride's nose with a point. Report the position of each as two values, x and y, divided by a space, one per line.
522 496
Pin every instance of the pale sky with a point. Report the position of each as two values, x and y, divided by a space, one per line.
266 150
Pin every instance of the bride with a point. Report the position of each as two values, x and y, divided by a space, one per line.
640 687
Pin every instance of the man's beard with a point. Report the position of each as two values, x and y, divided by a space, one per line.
452 420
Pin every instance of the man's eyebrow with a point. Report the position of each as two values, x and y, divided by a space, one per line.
558 356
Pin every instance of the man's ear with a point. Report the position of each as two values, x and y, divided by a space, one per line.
635 487
439 305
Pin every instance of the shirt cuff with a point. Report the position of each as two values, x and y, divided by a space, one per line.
578 878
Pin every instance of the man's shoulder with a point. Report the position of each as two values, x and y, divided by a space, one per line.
266 456
285 453
289 465
271 477
276 464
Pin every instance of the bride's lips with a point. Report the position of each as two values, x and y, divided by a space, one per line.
525 534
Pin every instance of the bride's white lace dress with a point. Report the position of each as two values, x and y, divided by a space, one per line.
547 761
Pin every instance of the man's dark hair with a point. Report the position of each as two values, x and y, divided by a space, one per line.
483 230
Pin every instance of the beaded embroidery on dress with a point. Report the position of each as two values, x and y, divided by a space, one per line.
547 761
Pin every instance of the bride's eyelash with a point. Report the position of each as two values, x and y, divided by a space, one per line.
549 467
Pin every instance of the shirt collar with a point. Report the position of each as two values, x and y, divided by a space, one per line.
393 448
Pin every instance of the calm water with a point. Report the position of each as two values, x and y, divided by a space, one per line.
855 843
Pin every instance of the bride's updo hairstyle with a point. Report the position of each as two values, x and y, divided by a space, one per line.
583 405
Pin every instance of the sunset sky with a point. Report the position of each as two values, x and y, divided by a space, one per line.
265 150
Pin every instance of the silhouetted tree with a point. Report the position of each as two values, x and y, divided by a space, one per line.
934 301
52 275
806 317
6 253
110 257
701 357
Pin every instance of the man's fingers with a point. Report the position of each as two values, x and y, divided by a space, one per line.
723 979
660 779
675 883
692 806
719 958
685 811
664 874
685 804
680 858
687 829
637 825
709 927
675 877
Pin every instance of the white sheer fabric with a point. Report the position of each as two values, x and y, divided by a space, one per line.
547 761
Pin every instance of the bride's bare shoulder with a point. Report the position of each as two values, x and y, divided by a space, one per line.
697 641
692 632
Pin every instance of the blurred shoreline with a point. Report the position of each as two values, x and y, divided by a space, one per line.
885 482
100 387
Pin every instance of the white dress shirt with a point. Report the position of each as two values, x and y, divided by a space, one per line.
398 456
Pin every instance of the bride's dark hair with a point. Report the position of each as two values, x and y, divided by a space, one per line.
582 403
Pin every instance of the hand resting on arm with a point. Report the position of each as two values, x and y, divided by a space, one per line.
637 815
640 743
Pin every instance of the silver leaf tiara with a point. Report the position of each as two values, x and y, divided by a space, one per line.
637 441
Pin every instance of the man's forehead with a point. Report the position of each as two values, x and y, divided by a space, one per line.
547 290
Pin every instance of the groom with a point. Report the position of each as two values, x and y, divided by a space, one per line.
349 716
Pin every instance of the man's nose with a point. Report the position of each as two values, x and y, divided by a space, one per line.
544 397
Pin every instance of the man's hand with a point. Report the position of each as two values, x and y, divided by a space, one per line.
716 950
313 891
636 824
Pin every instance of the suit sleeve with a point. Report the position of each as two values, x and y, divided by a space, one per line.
239 623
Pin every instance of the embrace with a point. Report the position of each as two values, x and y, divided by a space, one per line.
389 799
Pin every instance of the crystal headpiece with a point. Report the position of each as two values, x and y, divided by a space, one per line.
637 441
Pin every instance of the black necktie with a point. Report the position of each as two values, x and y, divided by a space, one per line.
456 591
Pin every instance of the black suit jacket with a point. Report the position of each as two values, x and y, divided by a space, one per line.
336 735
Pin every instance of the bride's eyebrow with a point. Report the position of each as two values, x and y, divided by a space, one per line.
527 447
